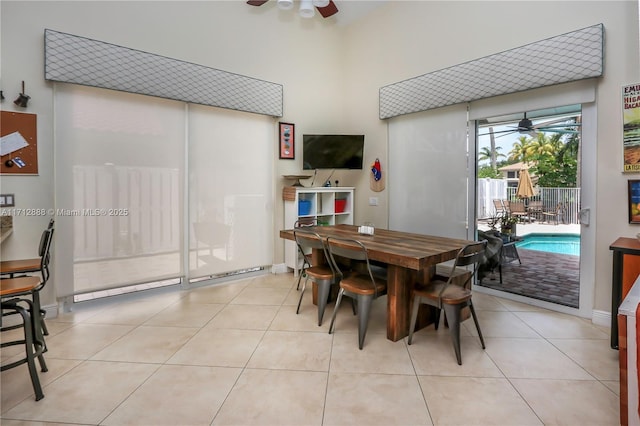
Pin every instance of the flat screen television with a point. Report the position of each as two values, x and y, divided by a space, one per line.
332 151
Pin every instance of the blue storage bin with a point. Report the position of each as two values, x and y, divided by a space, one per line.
304 207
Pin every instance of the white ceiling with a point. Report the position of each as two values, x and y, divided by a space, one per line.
352 10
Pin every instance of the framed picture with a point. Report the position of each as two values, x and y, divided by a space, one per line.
634 201
287 141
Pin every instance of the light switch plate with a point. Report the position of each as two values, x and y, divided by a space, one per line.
7 200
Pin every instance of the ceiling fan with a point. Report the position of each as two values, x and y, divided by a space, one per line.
526 126
326 8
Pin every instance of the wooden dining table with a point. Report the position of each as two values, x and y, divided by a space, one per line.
409 258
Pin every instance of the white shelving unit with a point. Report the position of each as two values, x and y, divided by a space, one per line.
329 205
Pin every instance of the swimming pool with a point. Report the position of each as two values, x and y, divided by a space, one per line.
552 243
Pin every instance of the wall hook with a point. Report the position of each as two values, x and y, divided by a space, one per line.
23 99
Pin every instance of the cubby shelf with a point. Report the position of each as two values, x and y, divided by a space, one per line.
327 205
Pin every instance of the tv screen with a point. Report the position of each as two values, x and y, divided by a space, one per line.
332 151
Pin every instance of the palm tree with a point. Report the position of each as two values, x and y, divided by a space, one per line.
519 151
486 153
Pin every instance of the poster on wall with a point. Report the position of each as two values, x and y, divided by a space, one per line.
631 127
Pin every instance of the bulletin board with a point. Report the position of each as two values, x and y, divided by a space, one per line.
16 130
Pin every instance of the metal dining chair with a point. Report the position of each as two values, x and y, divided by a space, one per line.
324 275
12 268
12 302
451 297
361 284
304 223
18 278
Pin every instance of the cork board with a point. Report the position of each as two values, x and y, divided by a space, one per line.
26 128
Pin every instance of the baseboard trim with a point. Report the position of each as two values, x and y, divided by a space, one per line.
601 318
51 311
280 268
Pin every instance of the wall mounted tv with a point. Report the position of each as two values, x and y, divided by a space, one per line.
332 151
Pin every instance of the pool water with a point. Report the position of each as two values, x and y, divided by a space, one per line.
552 243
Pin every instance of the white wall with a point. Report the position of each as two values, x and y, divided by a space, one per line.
331 76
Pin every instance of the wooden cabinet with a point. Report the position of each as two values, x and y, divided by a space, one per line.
626 268
327 205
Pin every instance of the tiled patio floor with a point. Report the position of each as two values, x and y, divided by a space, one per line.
545 276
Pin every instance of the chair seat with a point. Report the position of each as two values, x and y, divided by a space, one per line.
20 285
361 284
452 295
22 265
320 272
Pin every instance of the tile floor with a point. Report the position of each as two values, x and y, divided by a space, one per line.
238 354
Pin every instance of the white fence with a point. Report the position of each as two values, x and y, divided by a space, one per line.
564 201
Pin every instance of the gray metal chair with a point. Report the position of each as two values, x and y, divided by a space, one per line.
361 284
323 275
451 297
304 223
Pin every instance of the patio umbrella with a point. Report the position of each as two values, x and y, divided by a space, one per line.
525 186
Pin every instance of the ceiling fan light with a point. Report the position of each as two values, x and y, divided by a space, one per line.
321 3
525 125
307 10
285 4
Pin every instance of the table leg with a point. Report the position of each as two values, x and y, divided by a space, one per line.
400 282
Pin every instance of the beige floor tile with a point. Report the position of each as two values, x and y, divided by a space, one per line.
379 355
514 306
293 350
613 385
285 281
374 399
533 359
500 324
129 313
177 395
307 320
87 394
218 348
432 353
247 317
220 293
474 401
486 302
84 340
16 383
147 344
568 402
185 314
556 325
595 356
275 397
260 296
29 423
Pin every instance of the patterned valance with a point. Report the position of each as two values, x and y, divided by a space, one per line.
568 57
79 60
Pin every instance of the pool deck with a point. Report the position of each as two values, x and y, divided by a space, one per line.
551 277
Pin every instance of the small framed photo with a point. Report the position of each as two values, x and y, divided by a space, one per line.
634 201
287 141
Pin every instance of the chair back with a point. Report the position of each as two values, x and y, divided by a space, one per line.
517 207
353 250
305 223
44 251
471 254
499 206
307 240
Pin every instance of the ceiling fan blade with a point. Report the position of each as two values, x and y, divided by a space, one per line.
329 10
257 2
497 132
